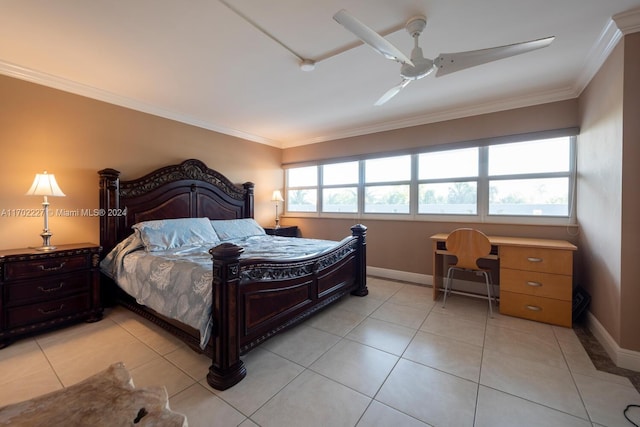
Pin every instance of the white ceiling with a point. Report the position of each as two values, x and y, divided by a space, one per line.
203 63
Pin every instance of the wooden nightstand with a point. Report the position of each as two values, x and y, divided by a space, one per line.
284 231
41 290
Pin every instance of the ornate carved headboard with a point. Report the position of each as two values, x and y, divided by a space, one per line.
187 190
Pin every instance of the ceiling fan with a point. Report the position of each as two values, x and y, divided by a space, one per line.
418 66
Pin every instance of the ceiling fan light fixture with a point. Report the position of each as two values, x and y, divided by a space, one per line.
307 65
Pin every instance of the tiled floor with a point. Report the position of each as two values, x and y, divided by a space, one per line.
393 358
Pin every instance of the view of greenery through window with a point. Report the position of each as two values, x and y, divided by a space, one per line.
531 178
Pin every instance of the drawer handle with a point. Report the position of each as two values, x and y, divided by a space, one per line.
534 284
533 308
54 310
51 289
532 259
43 268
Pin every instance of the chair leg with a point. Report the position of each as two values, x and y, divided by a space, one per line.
486 277
447 286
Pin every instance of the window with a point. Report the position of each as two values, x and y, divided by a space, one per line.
387 183
340 187
448 182
530 178
302 192
493 179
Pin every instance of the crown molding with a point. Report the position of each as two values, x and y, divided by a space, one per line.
76 88
628 22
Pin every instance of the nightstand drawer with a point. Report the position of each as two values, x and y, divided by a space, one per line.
35 313
531 307
40 267
48 288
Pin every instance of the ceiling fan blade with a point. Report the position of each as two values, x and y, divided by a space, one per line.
392 92
370 37
447 63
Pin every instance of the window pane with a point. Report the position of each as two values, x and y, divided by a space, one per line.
448 164
340 199
340 173
302 200
302 177
543 196
388 169
448 198
387 199
546 155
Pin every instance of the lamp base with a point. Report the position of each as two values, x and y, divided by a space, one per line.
45 248
46 240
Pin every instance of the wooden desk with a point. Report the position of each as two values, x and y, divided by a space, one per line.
536 276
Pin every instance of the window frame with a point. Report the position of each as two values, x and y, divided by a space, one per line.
483 179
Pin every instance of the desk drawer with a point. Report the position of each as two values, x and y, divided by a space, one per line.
536 308
537 259
548 285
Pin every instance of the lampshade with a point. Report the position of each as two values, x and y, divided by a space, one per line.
277 196
45 184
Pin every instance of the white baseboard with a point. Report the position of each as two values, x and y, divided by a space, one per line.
622 357
405 276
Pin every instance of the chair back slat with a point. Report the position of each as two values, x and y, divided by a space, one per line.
468 245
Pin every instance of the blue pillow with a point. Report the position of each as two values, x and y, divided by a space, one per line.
237 228
164 234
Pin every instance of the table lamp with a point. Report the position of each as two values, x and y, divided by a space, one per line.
45 185
277 198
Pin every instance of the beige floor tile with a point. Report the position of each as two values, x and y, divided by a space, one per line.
470 308
498 409
524 345
382 289
382 335
30 384
605 401
196 365
204 409
336 321
446 354
355 365
542 330
361 305
267 374
432 396
535 381
159 340
419 297
172 378
312 400
408 316
302 344
22 358
379 415
451 326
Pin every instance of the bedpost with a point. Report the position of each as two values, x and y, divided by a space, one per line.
109 201
360 231
226 369
248 201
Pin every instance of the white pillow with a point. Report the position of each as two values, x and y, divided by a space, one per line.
228 229
164 234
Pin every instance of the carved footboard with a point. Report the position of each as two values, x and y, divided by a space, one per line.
255 299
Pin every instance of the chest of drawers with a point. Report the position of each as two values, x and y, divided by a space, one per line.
42 290
537 283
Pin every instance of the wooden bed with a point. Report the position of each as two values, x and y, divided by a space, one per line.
253 299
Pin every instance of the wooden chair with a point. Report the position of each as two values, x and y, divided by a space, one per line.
468 245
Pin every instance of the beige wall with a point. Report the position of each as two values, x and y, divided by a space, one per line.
405 245
608 197
74 137
630 277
